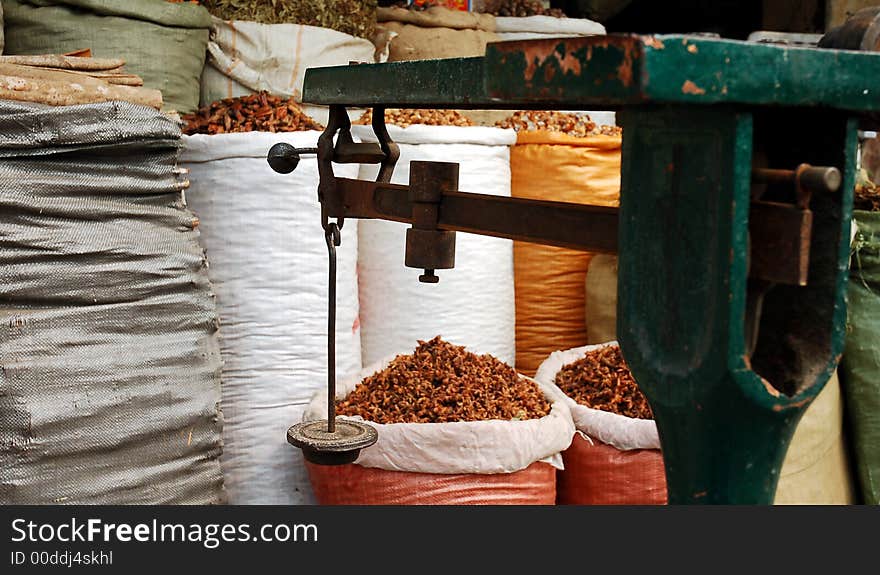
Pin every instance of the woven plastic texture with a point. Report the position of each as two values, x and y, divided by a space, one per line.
262 231
599 474
109 361
356 485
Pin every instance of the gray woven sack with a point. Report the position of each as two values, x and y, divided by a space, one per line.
109 360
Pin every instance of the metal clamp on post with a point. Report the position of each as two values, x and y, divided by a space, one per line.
785 229
336 145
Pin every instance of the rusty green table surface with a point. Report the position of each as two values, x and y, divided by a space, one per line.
698 115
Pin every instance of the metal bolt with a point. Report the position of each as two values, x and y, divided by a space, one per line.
813 178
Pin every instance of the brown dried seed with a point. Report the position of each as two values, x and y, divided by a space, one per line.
440 382
602 380
407 117
577 125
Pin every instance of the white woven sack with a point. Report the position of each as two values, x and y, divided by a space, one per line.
624 433
485 447
473 304
510 28
246 57
268 263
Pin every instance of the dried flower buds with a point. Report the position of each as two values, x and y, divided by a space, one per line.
867 194
521 8
440 383
602 380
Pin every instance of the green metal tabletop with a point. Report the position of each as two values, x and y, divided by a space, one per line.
611 71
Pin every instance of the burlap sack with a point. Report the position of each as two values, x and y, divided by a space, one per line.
600 294
816 470
162 42
437 32
411 42
437 17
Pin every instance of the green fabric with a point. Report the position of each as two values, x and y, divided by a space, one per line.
163 42
861 358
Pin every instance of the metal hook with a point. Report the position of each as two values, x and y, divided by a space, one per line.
333 236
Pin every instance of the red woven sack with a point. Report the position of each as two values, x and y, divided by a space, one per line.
357 485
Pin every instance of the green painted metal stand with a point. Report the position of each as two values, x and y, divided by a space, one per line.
686 181
698 115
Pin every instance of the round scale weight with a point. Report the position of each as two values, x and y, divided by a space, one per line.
341 446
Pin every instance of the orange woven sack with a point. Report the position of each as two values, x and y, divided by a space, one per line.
599 474
354 484
549 281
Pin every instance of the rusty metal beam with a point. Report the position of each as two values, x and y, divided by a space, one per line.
567 225
776 255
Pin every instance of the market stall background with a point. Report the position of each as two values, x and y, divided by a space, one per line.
194 276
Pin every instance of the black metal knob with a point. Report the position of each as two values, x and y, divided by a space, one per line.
429 277
284 158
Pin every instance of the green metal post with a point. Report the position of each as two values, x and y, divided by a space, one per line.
697 112
686 179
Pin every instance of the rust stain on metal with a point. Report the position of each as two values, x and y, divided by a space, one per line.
537 55
625 70
690 88
653 43
571 63
794 405
771 390
693 49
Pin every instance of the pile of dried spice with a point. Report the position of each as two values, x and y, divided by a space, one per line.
867 194
440 383
520 8
602 380
260 112
355 17
408 117
577 125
